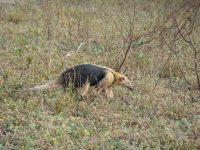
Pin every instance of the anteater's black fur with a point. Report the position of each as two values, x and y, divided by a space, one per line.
80 74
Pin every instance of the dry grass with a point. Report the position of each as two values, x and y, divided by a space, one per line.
39 39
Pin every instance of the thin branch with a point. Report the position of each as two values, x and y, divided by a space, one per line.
193 132
171 49
121 33
194 20
130 36
195 59
128 49
161 72
1 72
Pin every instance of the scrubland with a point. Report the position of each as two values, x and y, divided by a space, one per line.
159 43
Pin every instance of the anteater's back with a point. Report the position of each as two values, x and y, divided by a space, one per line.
81 73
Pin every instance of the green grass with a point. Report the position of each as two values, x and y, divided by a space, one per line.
36 39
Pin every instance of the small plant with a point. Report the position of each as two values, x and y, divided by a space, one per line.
141 60
15 16
154 43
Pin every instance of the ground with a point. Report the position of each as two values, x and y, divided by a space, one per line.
38 40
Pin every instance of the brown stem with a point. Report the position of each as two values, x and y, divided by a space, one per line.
128 49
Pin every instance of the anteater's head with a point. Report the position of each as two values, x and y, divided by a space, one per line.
123 80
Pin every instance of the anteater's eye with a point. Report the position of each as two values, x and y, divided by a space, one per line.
122 78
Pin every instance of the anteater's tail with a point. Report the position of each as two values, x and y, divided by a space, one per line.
49 85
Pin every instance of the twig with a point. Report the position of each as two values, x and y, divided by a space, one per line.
120 32
128 49
161 72
79 47
195 59
193 132
182 73
1 72
130 36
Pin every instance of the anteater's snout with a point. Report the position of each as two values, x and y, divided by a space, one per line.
128 84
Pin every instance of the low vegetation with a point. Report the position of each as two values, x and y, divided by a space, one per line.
155 42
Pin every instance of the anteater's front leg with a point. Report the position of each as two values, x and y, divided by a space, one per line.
109 92
106 83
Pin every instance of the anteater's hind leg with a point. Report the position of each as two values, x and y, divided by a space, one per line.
84 89
82 92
